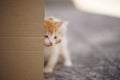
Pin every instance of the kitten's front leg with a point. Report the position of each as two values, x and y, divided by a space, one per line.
51 62
66 56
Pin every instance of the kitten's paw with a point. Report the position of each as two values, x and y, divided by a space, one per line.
68 63
48 70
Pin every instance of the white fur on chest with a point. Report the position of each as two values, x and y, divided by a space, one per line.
56 49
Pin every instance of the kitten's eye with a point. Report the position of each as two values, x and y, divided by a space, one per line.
46 36
55 37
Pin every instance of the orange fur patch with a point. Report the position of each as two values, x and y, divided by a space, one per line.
51 27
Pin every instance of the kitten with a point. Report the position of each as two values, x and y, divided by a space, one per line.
55 43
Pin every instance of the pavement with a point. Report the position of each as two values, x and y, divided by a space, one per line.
93 41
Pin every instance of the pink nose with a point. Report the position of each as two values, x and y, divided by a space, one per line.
51 43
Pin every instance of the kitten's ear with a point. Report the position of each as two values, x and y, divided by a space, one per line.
59 24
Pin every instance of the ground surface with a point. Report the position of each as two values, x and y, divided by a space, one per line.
94 43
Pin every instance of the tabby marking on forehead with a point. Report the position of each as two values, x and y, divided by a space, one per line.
50 27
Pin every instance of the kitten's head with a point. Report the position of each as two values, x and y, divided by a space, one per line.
52 31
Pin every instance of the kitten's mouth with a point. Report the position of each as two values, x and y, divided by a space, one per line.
48 45
52 44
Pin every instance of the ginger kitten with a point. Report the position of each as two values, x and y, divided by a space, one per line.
55 43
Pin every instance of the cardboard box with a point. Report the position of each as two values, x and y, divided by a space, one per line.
21 31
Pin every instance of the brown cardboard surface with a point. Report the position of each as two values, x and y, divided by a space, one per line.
20 43
21 66
21 30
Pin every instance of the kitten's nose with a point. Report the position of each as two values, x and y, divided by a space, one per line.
51 43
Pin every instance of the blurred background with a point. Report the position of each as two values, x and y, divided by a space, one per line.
93 38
